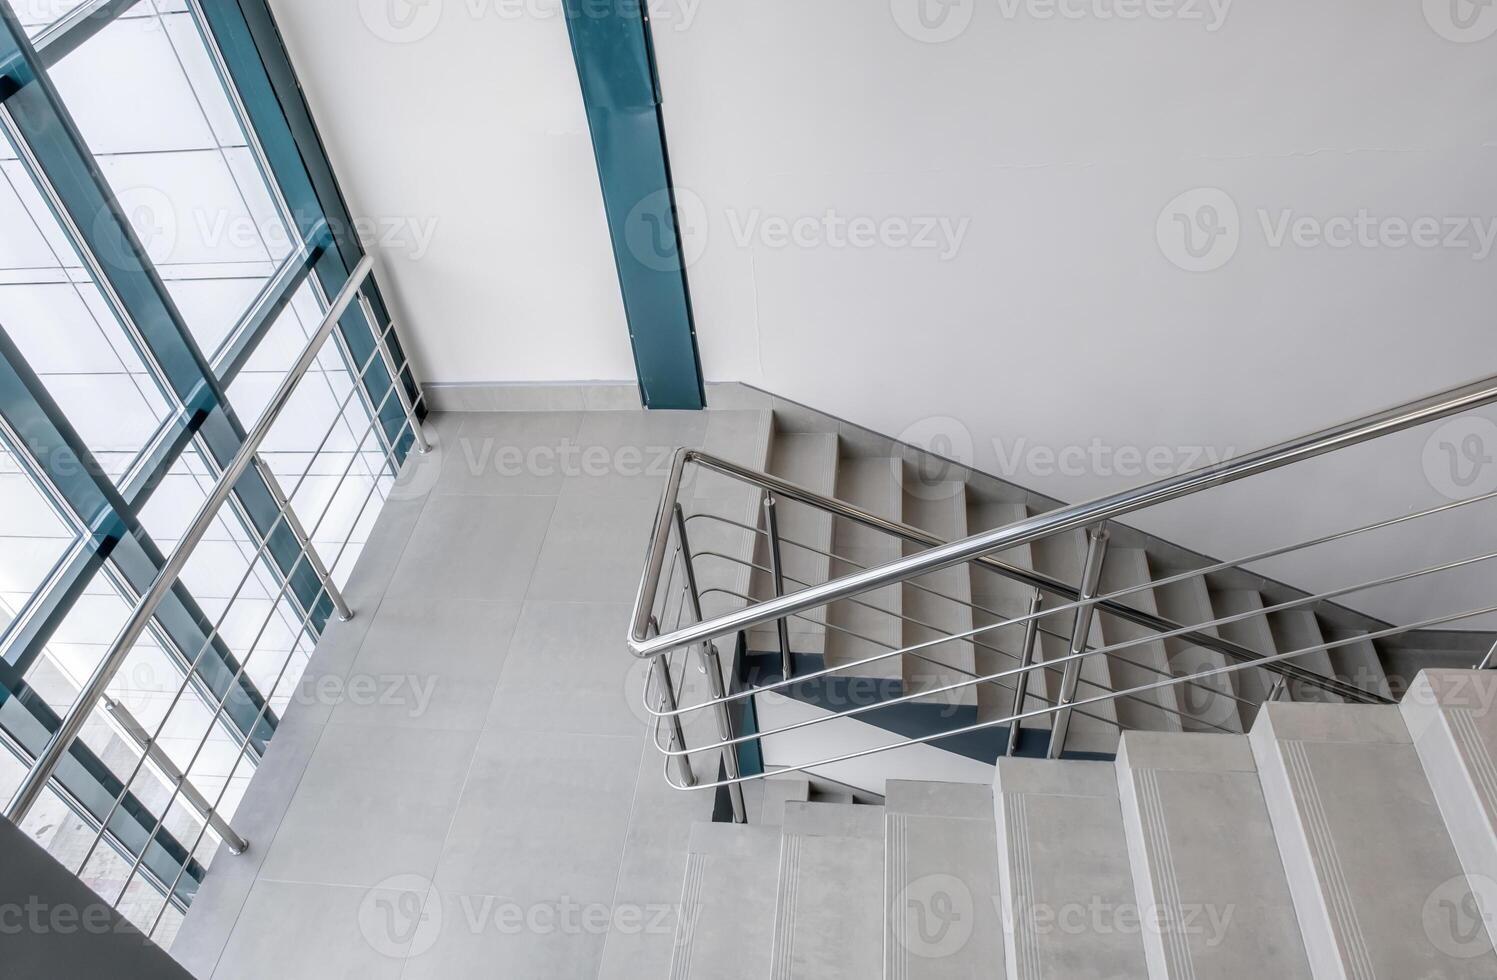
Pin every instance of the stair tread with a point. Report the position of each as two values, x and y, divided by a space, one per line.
940 603
810 460
1298 629
940 853
1454 731
1363 842
720 939
827 917
872 624
1358 663
778 792
1225 910
833 820
1142 664
1210 702
1062 851
1252 633
998 599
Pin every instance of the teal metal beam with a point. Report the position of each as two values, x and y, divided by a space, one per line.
616 65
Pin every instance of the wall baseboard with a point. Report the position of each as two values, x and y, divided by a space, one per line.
570 396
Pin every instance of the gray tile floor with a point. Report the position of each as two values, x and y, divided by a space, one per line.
461 787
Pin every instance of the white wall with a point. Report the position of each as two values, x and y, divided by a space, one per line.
460 124
1061 319
1055 144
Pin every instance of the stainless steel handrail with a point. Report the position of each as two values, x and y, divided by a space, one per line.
796 602
40 773
907 741
1021 532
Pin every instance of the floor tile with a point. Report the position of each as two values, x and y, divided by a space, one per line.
428 663
374 803
543 817
568 670
467 547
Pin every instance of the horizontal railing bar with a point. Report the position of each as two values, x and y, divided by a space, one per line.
975 607
1078 603
1038 712
41 772
1069 518
1035 579
1042 666
1028 577
1108 649
249 570
944 638
302 627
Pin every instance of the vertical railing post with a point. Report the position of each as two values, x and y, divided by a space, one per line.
1489 660
1021 680
777 569
712 666
1091 574
304 540
667 703
406 405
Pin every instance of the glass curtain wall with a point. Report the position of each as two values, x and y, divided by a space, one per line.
169 238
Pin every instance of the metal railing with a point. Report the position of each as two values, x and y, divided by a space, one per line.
94 693
1064 691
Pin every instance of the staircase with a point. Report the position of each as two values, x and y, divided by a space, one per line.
902 484
1331 841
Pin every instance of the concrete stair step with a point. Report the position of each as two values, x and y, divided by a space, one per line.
1210 704
1450 717
726 927
828 924
810 460
999 599
1094 729
1062 860
1253 633
1367 856
940 603
1206 867
871 624
1145 663
744 437
1297 629
1358 663
779 792
942 875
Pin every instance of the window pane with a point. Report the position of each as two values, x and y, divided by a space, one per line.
157 117
54 313
33 539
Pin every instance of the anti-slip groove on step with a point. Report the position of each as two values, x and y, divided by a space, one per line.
784 932
690 915
1021 925
1162 866
1353 942
1483 769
